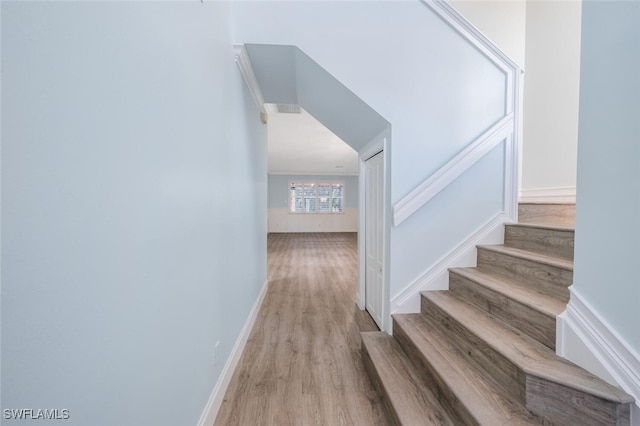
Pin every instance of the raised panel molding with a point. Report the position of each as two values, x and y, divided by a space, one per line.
619 360
560 195
507 128
453 169
215 400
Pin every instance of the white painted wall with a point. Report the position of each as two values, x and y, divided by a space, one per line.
282 220
503 22
608 190
543 37
126 135
551 86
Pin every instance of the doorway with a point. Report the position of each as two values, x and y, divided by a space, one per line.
374 237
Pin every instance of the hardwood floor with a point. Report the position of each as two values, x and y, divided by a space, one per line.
302 363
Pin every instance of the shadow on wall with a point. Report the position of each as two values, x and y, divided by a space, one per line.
286 75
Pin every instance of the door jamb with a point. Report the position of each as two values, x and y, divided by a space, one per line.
377 145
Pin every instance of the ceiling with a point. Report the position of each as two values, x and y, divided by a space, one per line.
299 144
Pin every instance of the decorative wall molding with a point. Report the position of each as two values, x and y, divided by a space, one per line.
563 195
598 337
215 400
437 276
246 69
471 32
507 128
446 174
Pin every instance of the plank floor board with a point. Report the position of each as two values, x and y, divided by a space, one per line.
302 363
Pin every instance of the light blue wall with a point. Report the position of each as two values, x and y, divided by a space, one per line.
279 193
438 92
444 223
608 183
134 202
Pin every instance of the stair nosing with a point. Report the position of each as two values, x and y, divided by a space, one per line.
389 390
461 394
550 227
541 368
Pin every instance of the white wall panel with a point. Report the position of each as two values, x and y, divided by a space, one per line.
281 220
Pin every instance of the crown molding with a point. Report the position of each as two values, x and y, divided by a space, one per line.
246 69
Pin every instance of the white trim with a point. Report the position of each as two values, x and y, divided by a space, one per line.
512 169
562 195
378 144
246 69
437 276
609 348
508 126
435 183
215 400
471 33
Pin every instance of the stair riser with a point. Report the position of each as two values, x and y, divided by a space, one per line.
372 372
432 378
566 406
557 214
493 365
536 324
547 279
553 242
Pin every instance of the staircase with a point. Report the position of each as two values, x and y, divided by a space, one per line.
483 352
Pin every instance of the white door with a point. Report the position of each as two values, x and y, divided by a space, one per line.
374 231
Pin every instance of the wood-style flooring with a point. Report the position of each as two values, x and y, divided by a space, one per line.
302 363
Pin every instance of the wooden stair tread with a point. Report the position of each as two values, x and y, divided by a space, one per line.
526 295
529 355
468 386
530 255
411 400
549 226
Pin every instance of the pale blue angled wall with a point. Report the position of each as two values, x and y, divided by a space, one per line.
608 184
134 187
437 91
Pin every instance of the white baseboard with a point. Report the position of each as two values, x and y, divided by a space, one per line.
437 276
586 338
215 400
561 195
